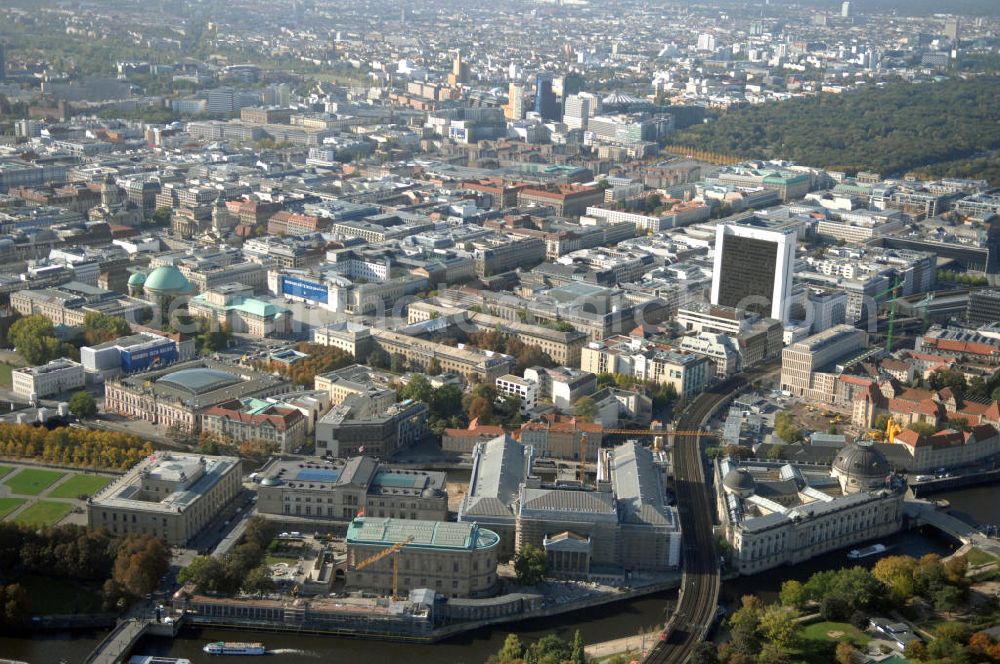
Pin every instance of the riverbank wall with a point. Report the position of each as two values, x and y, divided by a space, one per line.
528 607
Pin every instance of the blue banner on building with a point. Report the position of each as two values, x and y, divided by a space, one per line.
149 358
310 290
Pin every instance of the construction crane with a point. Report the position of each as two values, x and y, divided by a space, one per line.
892 311
658 432
391 551
892 429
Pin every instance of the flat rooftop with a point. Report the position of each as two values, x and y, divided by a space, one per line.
127 493
441 535
359 471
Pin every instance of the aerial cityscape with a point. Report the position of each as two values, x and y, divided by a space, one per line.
545 332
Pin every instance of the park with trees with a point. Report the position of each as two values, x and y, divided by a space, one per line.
242 570
118 570
825 618
889 129
550 649
318 360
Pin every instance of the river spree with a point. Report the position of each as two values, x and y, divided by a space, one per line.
597 624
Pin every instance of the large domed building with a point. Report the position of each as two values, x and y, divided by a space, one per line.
167 280
161 285
739 482
136 283
777 513
860 467
178 395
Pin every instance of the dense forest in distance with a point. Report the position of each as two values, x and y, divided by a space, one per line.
891 129
968 8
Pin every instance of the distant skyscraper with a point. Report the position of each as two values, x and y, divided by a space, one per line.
951 28
845 9
545 99
753 269
706 42
577 111
459 70
515 102
572 84
3 62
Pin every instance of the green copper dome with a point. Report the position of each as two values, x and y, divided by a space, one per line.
167 279
137 279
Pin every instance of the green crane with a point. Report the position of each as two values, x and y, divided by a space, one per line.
892 311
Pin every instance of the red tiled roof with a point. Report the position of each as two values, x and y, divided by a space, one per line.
475 429
908 437
855 380
982 432
946 438
278 417
561 424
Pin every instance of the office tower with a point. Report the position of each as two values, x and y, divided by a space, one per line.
706 42
459 70
984 307
951 28
3 62
577 111
845 9
753 269
545 99
514 110
572 84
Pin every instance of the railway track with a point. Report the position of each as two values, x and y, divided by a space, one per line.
699 595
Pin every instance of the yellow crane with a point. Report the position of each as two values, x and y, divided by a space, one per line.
892 429
391 551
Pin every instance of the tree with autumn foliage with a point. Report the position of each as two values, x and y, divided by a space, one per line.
139 564
98 328
480 409
983 647
73 446
318 360
525 355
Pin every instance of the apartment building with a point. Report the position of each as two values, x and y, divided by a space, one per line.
659 363
809 368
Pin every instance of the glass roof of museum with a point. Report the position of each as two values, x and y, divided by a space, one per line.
198 380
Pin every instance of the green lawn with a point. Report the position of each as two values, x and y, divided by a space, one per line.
5 371
4 470
979 557
32 481
80 485
826 631
8 505
44 513
819 640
